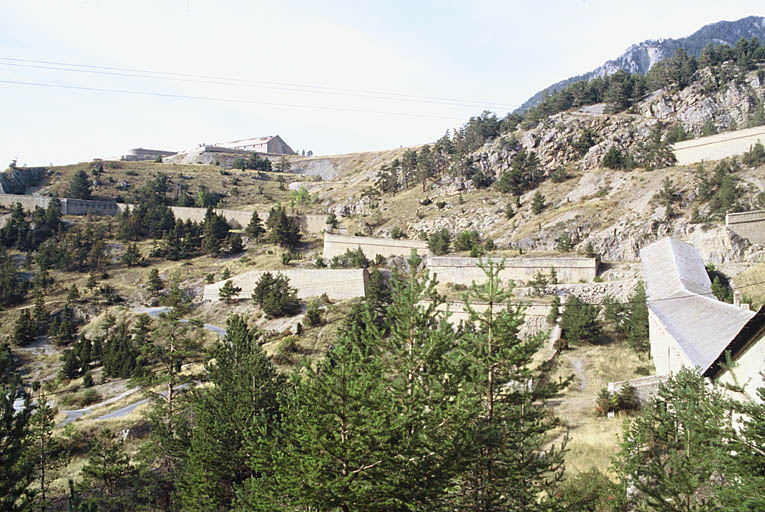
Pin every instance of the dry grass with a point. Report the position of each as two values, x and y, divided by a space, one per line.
593 440
751 292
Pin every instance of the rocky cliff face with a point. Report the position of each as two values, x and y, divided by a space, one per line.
728 103
17 179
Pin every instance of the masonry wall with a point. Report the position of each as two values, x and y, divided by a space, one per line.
534 320
466 270
307 223
335 245
646 387
27 202
749 225
338 284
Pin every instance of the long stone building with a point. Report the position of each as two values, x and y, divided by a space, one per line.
272 144
689 327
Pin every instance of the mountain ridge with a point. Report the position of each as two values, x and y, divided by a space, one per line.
638 58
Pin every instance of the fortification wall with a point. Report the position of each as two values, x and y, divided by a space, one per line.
338 284
749 225
27 202
534 315
716 147
335 245
85 207
466 270
307 223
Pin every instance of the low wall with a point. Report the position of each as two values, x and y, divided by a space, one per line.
646 387
466 270
749 225
338 284
336 245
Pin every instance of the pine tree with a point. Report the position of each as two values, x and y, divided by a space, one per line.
506 464
79 186
537 203
233 418
109 471
579 321
155 283
132 256
255 227
43 446
283 229
674 455
23 330
228 292
16 467
331 452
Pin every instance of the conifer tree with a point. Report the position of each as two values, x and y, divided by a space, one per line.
228 292
155 283
43 444
255 228
507 466
16 467
579 321
331 452
229 418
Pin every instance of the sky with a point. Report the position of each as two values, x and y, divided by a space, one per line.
85 79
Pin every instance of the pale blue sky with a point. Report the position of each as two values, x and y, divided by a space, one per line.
482 51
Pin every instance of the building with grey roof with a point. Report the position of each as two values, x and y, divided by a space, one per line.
272 144
689 327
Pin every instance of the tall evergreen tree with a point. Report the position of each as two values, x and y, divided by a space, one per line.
79 186
255 228
229 418
16 467
507 465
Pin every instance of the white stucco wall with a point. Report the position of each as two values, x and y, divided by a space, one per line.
747 369
667 358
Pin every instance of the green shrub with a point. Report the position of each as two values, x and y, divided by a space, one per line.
439 241
275 296
313 314
351 259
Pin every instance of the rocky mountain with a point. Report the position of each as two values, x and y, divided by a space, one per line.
639 58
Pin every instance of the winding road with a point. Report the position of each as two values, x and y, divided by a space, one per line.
73 415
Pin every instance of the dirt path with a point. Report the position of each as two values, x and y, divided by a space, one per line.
578 366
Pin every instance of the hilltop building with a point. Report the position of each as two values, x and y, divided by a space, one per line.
142 154
689 327
273 144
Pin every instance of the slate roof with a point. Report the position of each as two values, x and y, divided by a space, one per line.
679 293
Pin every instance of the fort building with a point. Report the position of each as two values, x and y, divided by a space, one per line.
689 327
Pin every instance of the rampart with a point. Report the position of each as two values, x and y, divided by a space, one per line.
68 206
335 245
466 270
534 315
307 223
338 284
749 225
716 147
143 154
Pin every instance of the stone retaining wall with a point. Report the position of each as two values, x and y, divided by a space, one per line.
68 206
307 223
646 387
336 245
338 284
716 147
749 225
466 270
534 322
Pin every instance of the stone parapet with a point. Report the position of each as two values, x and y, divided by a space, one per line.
466 270
337 245
749 225
338 284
